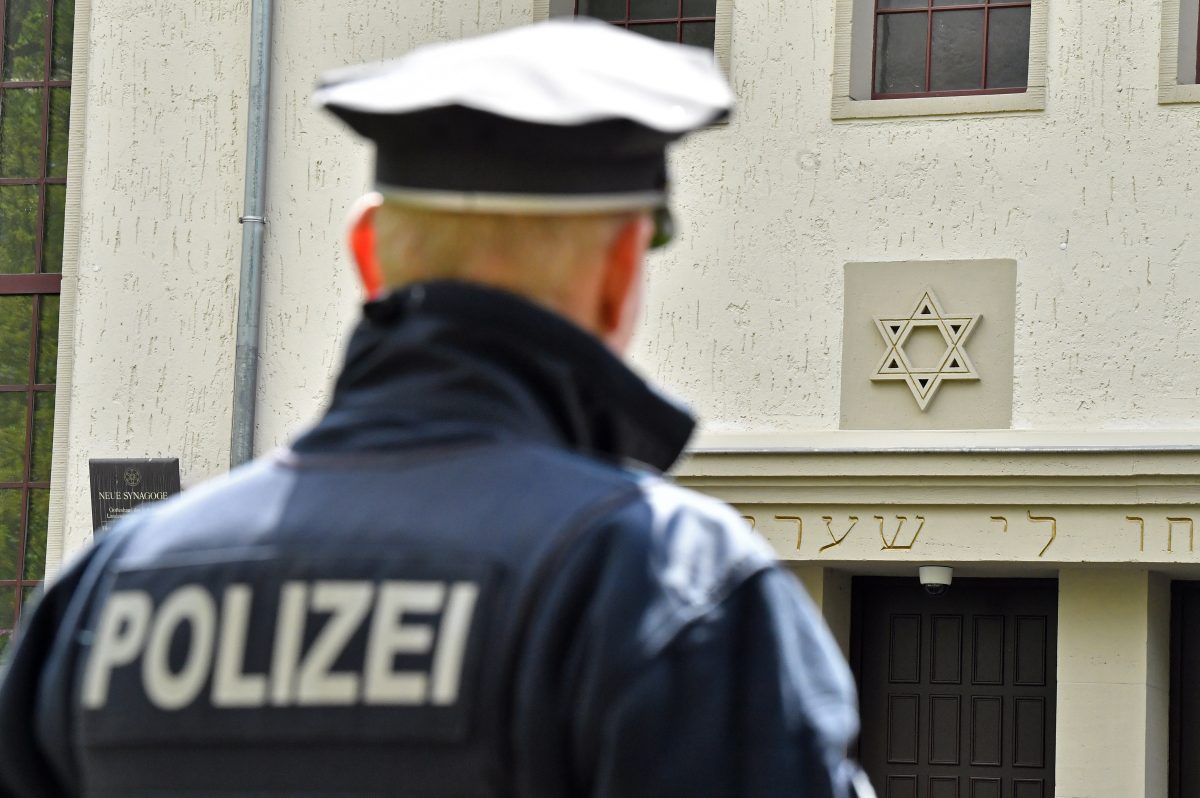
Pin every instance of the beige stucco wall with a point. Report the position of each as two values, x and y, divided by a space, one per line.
161 190
746 312
1096 198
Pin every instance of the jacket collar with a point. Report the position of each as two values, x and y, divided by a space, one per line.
449 360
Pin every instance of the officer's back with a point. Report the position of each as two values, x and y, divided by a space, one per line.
467 579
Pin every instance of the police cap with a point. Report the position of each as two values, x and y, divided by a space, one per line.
557 117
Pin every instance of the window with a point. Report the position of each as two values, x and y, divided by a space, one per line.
704 23
1189 42
684 21
914 57
938 47
35 102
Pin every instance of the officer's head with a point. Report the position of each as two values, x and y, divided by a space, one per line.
532 160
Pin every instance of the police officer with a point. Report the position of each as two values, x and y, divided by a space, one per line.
469 578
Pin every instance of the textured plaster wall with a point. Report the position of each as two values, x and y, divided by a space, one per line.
159 239
163 161
1097 197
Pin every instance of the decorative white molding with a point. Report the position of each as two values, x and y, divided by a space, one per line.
945 476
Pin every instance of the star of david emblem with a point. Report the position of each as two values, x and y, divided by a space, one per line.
925 379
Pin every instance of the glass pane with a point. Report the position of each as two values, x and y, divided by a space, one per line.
16 333
43 437
1008 48
10 532
18 220
666 31
64 33
35 538
654 9
699 8
903 3
12 437
602 9
56 205
24 40
20 132
700 34
60 124
900 44
47 362
957 60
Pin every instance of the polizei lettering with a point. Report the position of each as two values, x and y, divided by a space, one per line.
135 633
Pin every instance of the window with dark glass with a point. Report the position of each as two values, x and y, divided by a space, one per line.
35 103
944 47
685 21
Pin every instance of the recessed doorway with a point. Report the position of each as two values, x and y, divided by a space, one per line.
957 690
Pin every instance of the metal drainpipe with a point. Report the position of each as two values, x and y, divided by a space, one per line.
245 365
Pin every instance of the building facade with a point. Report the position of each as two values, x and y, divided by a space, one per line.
934 298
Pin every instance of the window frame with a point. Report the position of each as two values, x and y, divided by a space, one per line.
930 10
854 68
722 26
36 284
1173 85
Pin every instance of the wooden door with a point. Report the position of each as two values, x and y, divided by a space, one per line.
957 690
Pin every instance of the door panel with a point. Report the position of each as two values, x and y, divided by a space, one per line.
957 690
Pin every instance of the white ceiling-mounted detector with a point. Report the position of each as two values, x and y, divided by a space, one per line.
936 578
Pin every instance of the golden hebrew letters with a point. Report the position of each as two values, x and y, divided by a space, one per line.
1171 522
799 527
1141 522
900 521
1053 528
1002 520
829 526
749 519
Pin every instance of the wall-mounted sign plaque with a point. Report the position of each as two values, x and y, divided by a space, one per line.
120 485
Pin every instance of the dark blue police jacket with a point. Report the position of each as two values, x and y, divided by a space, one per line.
467 580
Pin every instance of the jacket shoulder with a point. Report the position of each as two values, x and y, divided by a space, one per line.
698 551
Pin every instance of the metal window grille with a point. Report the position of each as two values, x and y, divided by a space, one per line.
35 87
931 48
683 21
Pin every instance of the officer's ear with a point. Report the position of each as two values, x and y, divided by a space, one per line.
363 244
621 286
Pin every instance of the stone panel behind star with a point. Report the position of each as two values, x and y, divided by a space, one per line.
980 287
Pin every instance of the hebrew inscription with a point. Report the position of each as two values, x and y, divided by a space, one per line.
1053 528
799 527
963 533
902 520
1171 523
837 541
